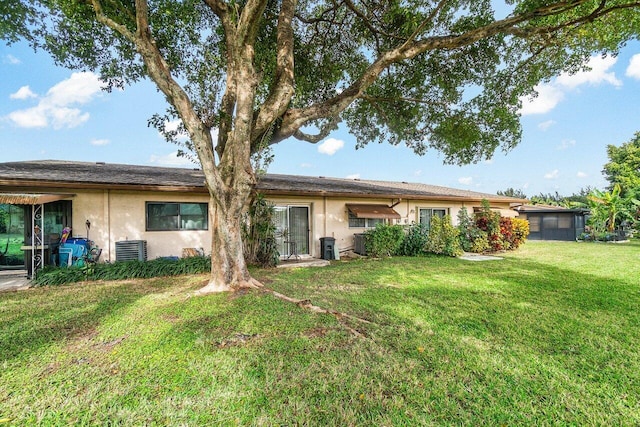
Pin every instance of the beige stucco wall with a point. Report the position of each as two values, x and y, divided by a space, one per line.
330 218
118 215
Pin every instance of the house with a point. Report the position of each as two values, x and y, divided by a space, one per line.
160 211
553 222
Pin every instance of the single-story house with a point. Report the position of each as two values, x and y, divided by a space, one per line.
160 211
553 222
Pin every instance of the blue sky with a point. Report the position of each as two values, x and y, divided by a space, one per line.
48 112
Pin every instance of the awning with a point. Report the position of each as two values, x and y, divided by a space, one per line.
31 199
373 211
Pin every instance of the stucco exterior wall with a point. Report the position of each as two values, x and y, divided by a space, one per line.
120 215
329 216
117 216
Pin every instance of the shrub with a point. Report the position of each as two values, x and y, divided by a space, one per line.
384 240
520 231
506 233
124 270
415 240
259 234
471 238
443 237
489 222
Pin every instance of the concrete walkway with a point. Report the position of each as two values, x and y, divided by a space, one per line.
14 280
468 256
303 262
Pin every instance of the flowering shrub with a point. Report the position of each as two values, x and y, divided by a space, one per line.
490 231
520 231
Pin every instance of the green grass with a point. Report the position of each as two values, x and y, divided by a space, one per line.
548 335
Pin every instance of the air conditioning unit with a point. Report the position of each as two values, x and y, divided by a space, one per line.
358 243
130 250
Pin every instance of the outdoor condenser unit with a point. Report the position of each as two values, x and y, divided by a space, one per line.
130 250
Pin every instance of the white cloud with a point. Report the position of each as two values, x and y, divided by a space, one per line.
306 165
488 161
566 143
55 108
353 176
170 159
417 173
546 124
29 118
597 74
99 142
581 174
550 94
23 93
183 136
80 88
633 70
548 97
554 174
10 59
330 146
465 180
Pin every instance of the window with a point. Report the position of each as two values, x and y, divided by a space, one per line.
355 222
177 216
564 221
534 223
425 215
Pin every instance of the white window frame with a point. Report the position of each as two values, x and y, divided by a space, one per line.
368 222
432 210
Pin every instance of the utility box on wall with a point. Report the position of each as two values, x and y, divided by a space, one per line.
130 250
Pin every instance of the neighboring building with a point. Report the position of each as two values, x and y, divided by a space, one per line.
167 208
553 222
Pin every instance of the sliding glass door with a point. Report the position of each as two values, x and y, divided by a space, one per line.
292 230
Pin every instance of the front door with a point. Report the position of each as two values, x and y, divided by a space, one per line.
292 230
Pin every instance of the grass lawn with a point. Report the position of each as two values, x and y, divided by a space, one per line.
548 335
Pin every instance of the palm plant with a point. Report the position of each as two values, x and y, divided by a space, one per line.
609 207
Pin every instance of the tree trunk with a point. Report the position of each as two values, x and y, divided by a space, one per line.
228 266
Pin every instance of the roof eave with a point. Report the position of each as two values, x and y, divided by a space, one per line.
101 186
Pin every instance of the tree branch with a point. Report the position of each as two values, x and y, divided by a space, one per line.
283 87
294 119
325 130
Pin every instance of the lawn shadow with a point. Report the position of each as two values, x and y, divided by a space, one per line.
36 318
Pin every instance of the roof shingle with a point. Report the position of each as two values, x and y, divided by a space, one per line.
52 172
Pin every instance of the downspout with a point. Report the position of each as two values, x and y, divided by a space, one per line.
107 217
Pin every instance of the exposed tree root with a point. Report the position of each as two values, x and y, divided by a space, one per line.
306 304
213 287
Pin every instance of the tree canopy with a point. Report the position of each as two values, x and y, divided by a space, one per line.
447 75
623 168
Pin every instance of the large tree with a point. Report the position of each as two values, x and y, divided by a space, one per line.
623 168
447 74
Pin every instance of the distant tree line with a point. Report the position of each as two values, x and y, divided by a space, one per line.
614 207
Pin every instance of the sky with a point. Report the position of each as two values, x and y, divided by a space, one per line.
49 112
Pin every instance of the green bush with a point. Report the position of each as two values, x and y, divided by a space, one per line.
415 240
259 234
471 238
384 240
443 237
124 270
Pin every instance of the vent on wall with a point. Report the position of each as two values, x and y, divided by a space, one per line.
130 250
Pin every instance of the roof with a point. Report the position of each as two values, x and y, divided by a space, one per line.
100 175
549 209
